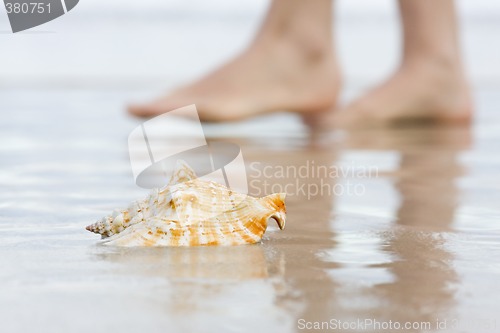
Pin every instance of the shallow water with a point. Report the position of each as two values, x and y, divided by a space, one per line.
402 229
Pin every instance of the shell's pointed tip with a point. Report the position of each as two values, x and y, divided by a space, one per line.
90 228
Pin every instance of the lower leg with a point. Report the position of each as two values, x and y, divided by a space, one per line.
290 65
430 82
430 31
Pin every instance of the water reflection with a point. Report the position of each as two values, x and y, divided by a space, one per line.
203 289
421 265
299 273
309 289
419 288
285 274
210 263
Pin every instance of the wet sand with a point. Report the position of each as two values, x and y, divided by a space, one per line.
400 228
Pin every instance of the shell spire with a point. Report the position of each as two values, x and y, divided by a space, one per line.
139 211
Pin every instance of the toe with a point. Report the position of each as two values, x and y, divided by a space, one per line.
154 108
142 110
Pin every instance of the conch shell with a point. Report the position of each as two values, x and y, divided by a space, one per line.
192 212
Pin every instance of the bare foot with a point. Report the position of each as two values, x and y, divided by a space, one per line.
269 76
420 91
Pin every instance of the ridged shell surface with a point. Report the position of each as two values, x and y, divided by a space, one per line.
191 212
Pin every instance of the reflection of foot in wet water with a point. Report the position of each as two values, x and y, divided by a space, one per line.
420 289
419 271
308 289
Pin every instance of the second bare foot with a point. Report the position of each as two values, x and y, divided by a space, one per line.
434 91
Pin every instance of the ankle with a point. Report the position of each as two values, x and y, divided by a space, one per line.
439 66
306 47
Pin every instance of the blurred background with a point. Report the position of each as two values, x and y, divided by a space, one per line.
422 243
152 45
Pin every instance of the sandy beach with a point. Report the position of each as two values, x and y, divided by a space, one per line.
388 230
414 241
